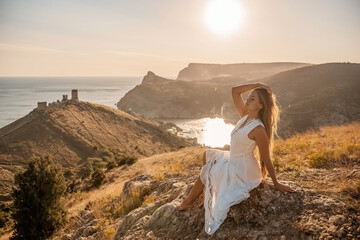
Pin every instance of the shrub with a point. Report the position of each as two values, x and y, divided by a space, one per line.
96 162
144 192
135 199
120 161
125 160
130 160
111 165
352 148
277 164
70 187
321 159
97 178
158 177
106 159
357 186
107 153
69 173
86 170
5 213
37 193
109 233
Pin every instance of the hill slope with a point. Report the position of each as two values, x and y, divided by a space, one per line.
325 204
74 131
313 96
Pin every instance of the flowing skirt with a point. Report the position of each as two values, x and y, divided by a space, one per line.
227 182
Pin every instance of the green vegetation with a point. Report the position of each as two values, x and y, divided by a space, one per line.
97 178
135 199
321 159
108 158
6 222
38 193
69 173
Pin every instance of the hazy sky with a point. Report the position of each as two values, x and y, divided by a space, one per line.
131 37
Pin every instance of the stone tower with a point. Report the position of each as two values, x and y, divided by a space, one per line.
41 105
65 97
74 95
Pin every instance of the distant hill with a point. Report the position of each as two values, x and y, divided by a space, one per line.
309 97
313 96
74 131
248 71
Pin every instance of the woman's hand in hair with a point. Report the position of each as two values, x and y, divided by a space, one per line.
261 85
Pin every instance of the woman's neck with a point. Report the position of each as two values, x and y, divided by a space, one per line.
253 115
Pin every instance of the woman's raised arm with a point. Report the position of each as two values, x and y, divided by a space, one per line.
237 99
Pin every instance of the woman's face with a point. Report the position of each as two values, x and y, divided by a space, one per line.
252 102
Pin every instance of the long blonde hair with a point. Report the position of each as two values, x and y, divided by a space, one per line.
269 116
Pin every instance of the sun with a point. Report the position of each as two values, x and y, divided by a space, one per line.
223 16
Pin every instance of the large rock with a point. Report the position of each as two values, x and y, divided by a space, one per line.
266 214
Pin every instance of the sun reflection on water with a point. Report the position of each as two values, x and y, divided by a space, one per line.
217 132
212 132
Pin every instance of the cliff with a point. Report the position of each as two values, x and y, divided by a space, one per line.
249 71
157 97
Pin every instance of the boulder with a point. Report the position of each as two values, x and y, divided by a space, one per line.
266 214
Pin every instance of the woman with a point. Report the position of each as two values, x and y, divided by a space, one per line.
227 176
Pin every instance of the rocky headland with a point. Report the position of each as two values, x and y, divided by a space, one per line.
309 97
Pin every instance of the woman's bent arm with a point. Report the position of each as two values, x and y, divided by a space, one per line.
237 99
244 88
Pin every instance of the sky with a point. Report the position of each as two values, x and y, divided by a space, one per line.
132 37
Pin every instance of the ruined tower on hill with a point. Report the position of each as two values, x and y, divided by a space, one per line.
74 95
41 105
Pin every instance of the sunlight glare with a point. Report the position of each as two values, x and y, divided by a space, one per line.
217 132
223 16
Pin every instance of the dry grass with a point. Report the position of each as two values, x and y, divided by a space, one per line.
308 159
330 147
109 234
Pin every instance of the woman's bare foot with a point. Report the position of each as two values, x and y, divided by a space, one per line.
185 206
202 200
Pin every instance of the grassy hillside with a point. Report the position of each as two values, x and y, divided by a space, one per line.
74 131
325 161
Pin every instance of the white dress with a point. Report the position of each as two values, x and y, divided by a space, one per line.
228 176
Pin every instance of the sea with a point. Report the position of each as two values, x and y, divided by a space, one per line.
20 95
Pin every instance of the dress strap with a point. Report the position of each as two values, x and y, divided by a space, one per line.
239 123
252 125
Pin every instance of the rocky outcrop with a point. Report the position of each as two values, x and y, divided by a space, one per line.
152 78
266 214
